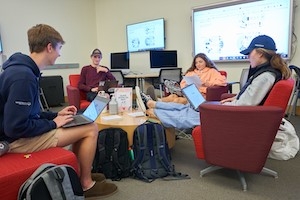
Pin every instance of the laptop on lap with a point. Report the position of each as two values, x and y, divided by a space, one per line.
106 85
194 97
90 114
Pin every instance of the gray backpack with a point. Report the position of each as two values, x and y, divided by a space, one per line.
51 181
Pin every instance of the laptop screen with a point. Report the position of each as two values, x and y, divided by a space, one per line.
95 107
193 95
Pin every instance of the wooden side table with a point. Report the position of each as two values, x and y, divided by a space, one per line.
129 123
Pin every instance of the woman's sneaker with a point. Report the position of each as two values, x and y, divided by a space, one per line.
142 99
172 86
151 92
145 98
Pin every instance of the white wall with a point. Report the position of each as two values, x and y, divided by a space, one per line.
113 16
74 19
86 24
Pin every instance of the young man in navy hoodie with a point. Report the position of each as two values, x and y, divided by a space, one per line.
26 128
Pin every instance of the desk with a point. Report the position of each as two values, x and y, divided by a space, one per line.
140 78
129 123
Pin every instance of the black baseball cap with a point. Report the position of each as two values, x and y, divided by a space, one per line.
96 52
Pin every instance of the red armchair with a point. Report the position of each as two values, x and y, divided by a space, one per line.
278 96
214 93
75 96
238 137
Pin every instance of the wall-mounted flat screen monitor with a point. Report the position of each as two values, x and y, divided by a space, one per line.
222 30
119 60
163 59
147 35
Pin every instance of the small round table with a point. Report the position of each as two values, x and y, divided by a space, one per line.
128 123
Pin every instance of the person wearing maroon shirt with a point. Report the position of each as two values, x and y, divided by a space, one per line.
92 74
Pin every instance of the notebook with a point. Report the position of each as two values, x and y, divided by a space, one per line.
194 97
106 85
90 114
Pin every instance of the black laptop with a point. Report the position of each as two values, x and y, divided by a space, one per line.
106 85
90 114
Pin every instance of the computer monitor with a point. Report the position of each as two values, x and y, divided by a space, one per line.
120 61
146 35
163 59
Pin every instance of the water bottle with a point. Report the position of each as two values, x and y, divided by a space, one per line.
113 105
131 153
4 147
105 95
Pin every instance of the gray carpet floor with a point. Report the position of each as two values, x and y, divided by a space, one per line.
220 185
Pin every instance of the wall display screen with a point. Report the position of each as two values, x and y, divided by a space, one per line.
222 30
146 35
119 60
163 59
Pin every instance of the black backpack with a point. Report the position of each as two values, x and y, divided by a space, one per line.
112 155
152 157
51 181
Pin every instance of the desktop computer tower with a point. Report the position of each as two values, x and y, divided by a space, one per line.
52 88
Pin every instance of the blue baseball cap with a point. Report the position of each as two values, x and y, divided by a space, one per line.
261 41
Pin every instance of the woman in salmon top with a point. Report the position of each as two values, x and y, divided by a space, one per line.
209 76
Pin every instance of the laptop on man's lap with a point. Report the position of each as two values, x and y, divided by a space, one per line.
90 114
107 85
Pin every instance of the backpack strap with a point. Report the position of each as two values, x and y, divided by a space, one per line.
67 182
150 127
58 183
162 147
101 145
142 141
114 154
53 180
99 157
35 174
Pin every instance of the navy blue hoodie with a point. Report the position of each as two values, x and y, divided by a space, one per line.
20 113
